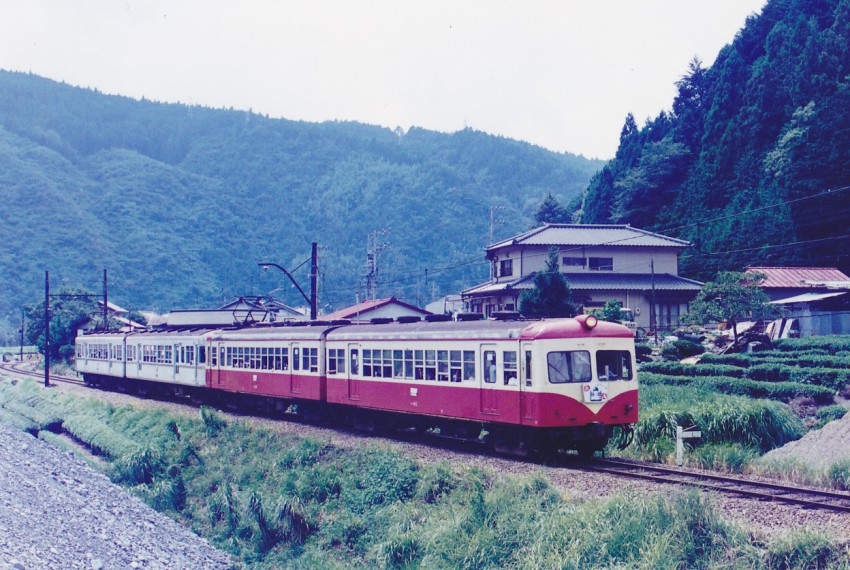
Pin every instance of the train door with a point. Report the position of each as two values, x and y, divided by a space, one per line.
353 371
295 374
528 397
489 377
218 363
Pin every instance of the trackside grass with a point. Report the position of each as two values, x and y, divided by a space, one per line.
280 501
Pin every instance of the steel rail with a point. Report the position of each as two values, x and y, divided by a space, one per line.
765 491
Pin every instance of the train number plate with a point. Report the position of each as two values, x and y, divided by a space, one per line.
595 393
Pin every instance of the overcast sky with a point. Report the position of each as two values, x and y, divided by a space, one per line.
559 74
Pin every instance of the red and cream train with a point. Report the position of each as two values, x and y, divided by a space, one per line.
525 386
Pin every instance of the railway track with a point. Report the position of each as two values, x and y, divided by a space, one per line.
14 368
807 498
758 490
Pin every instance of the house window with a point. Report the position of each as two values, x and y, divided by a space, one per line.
600 263
573 262
506 267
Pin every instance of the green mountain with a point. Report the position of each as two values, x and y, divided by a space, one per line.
180 202
752 164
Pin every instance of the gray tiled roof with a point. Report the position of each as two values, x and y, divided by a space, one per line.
588 235
600 281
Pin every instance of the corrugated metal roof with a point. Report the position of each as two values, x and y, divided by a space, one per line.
598 282
806 298
797 277
590 235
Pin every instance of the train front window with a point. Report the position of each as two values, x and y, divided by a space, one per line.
569 366
613 365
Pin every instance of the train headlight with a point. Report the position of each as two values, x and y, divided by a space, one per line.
588 321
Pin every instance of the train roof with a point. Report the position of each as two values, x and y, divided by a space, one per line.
421 330
492 330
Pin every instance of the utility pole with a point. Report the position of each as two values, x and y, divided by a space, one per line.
23 327
652 316
494 210
372 250
314 280
46 329
105 304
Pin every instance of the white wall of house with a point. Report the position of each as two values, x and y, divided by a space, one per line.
524 260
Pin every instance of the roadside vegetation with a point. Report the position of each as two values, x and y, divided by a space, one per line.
277 500
744 405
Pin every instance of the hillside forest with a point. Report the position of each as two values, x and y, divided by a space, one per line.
752 162
179 203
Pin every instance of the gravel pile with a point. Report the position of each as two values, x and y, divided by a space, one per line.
819 448
57 512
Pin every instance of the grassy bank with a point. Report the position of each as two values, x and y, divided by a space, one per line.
278 501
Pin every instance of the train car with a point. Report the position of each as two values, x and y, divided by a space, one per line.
278 362
526 387
174 358
534 386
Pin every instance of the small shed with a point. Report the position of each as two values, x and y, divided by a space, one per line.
377 308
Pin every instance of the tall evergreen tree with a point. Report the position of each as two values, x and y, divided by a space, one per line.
551 296
550 211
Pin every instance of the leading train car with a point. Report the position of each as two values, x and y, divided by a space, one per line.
533 386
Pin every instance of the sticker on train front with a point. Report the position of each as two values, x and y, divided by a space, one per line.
595 393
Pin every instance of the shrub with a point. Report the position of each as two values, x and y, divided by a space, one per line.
42 420
138 467
383 479
18 421
643 351
436 483
829 413
838 474
679 369
729 457
214 421
98 436
781 391
802 550
830 343
759 424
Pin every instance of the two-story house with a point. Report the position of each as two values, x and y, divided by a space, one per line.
601 262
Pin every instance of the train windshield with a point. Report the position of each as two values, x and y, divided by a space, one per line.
613 365
569 366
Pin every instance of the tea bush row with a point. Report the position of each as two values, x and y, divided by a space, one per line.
792 359
832 378
781 391
830 343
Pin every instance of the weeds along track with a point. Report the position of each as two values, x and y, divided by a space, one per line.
759 490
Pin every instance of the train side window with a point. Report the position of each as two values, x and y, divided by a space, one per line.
443 365
469 365
388 364
367 362
408 364
354 364
398 364
336 361
455 365
490 366
572 366
613 365
296 358
430 365
528 368
419 364
509 363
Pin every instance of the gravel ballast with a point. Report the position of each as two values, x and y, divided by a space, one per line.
57 512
